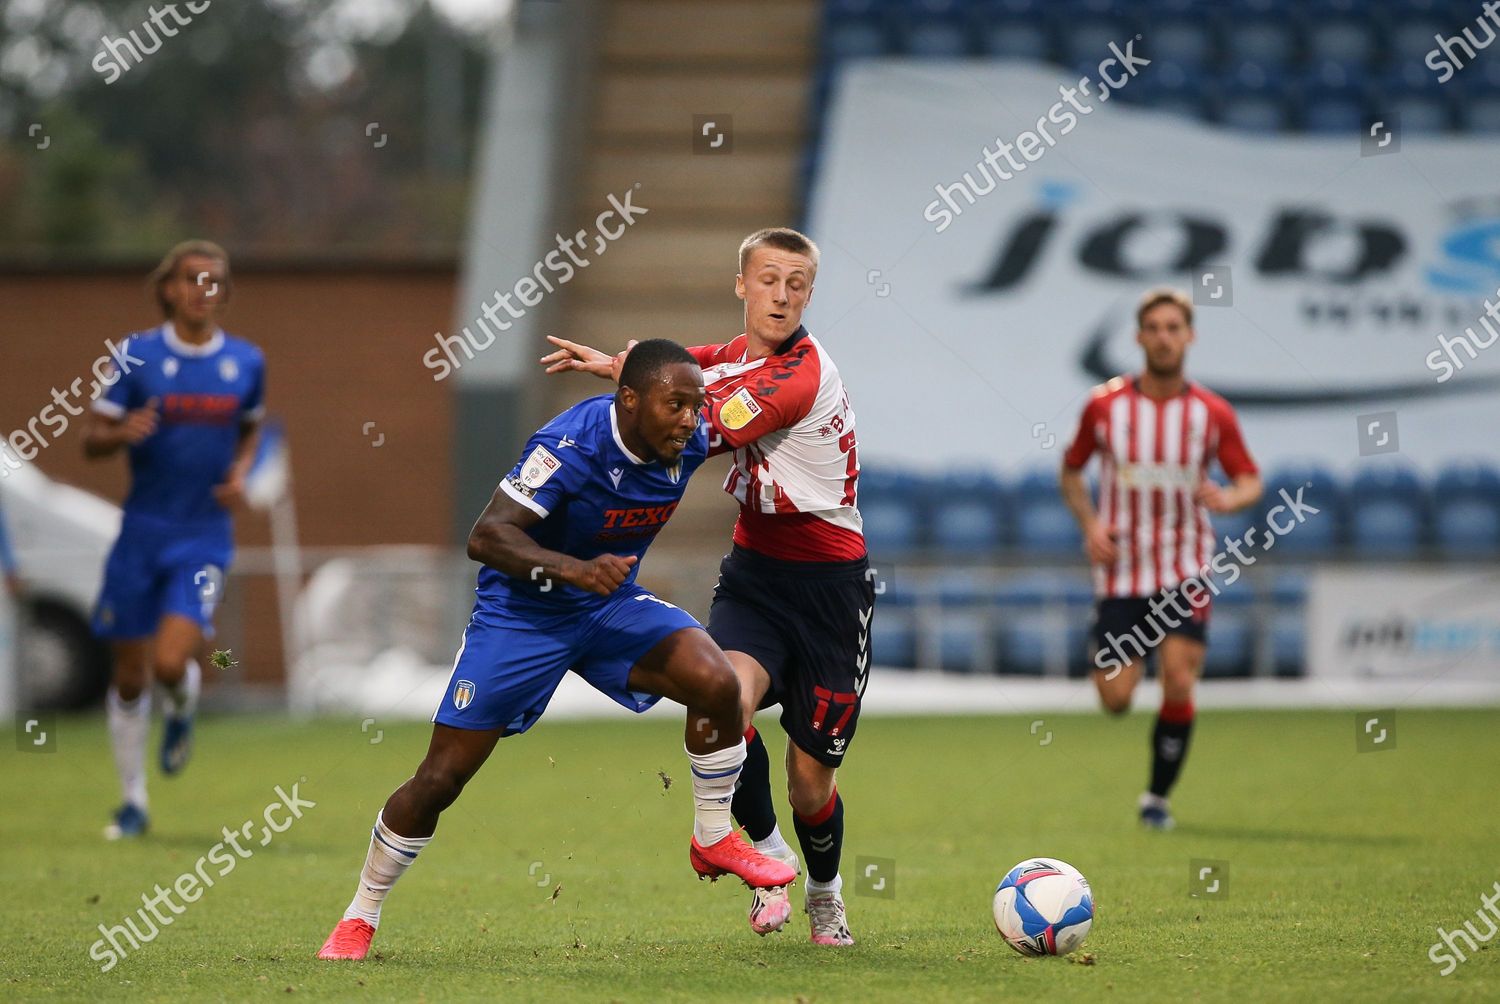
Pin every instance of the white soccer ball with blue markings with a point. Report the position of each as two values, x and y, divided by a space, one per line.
1044 906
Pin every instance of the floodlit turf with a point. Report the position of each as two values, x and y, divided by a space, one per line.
562 874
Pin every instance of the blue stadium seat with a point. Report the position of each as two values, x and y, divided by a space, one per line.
1268 41
1043 524
1183 41
1177 88
1085 40
1409 39
1289 642
1320 533
1333 100
1014 29
893 511
963 641
1252 100
893 638
1387 512
855 29
1466 511
1420 103
965 514
1231 635
1347 38
937 29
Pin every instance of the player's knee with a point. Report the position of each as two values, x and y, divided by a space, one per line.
721 695
1178 686
1115 704
809 791
168 668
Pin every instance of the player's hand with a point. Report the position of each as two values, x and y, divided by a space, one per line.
1099 544
139 424
13 585
574 357
232 492
602 575
1212 497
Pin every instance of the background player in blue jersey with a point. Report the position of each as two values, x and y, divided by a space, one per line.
560 542
9 570
186 403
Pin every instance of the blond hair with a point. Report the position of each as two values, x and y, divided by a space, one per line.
782 238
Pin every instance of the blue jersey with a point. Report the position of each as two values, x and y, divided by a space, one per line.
594 496
204 394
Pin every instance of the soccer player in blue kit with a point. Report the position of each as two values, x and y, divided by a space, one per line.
560 543
186 404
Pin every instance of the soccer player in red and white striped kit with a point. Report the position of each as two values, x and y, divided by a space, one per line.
1150 539
795 597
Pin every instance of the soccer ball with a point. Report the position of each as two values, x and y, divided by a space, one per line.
1043 906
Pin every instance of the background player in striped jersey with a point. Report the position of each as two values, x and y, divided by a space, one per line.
1150 539
186 404
795 598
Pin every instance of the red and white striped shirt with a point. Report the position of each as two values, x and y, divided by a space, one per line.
796 463
1153 456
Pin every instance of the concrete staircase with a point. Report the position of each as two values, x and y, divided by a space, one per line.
660 64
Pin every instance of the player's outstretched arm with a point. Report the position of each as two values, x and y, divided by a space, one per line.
499 540
575 357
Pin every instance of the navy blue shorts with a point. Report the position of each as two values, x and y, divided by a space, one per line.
157 568
510 663
1122 616
808 624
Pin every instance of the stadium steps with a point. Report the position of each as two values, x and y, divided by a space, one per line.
661 63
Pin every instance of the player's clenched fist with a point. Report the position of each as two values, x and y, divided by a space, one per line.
1100 544
602 575
140 423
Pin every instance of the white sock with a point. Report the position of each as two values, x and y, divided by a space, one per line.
773 843
814 887
129 724
183 697
714 775
389 856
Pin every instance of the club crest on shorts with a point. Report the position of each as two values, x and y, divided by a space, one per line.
463 694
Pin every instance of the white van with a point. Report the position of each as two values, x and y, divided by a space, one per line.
49 659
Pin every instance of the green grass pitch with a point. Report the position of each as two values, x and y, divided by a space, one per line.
562 873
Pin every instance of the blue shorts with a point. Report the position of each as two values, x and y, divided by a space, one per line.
158 568
510 663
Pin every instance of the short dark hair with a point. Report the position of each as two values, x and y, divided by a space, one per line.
645 363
